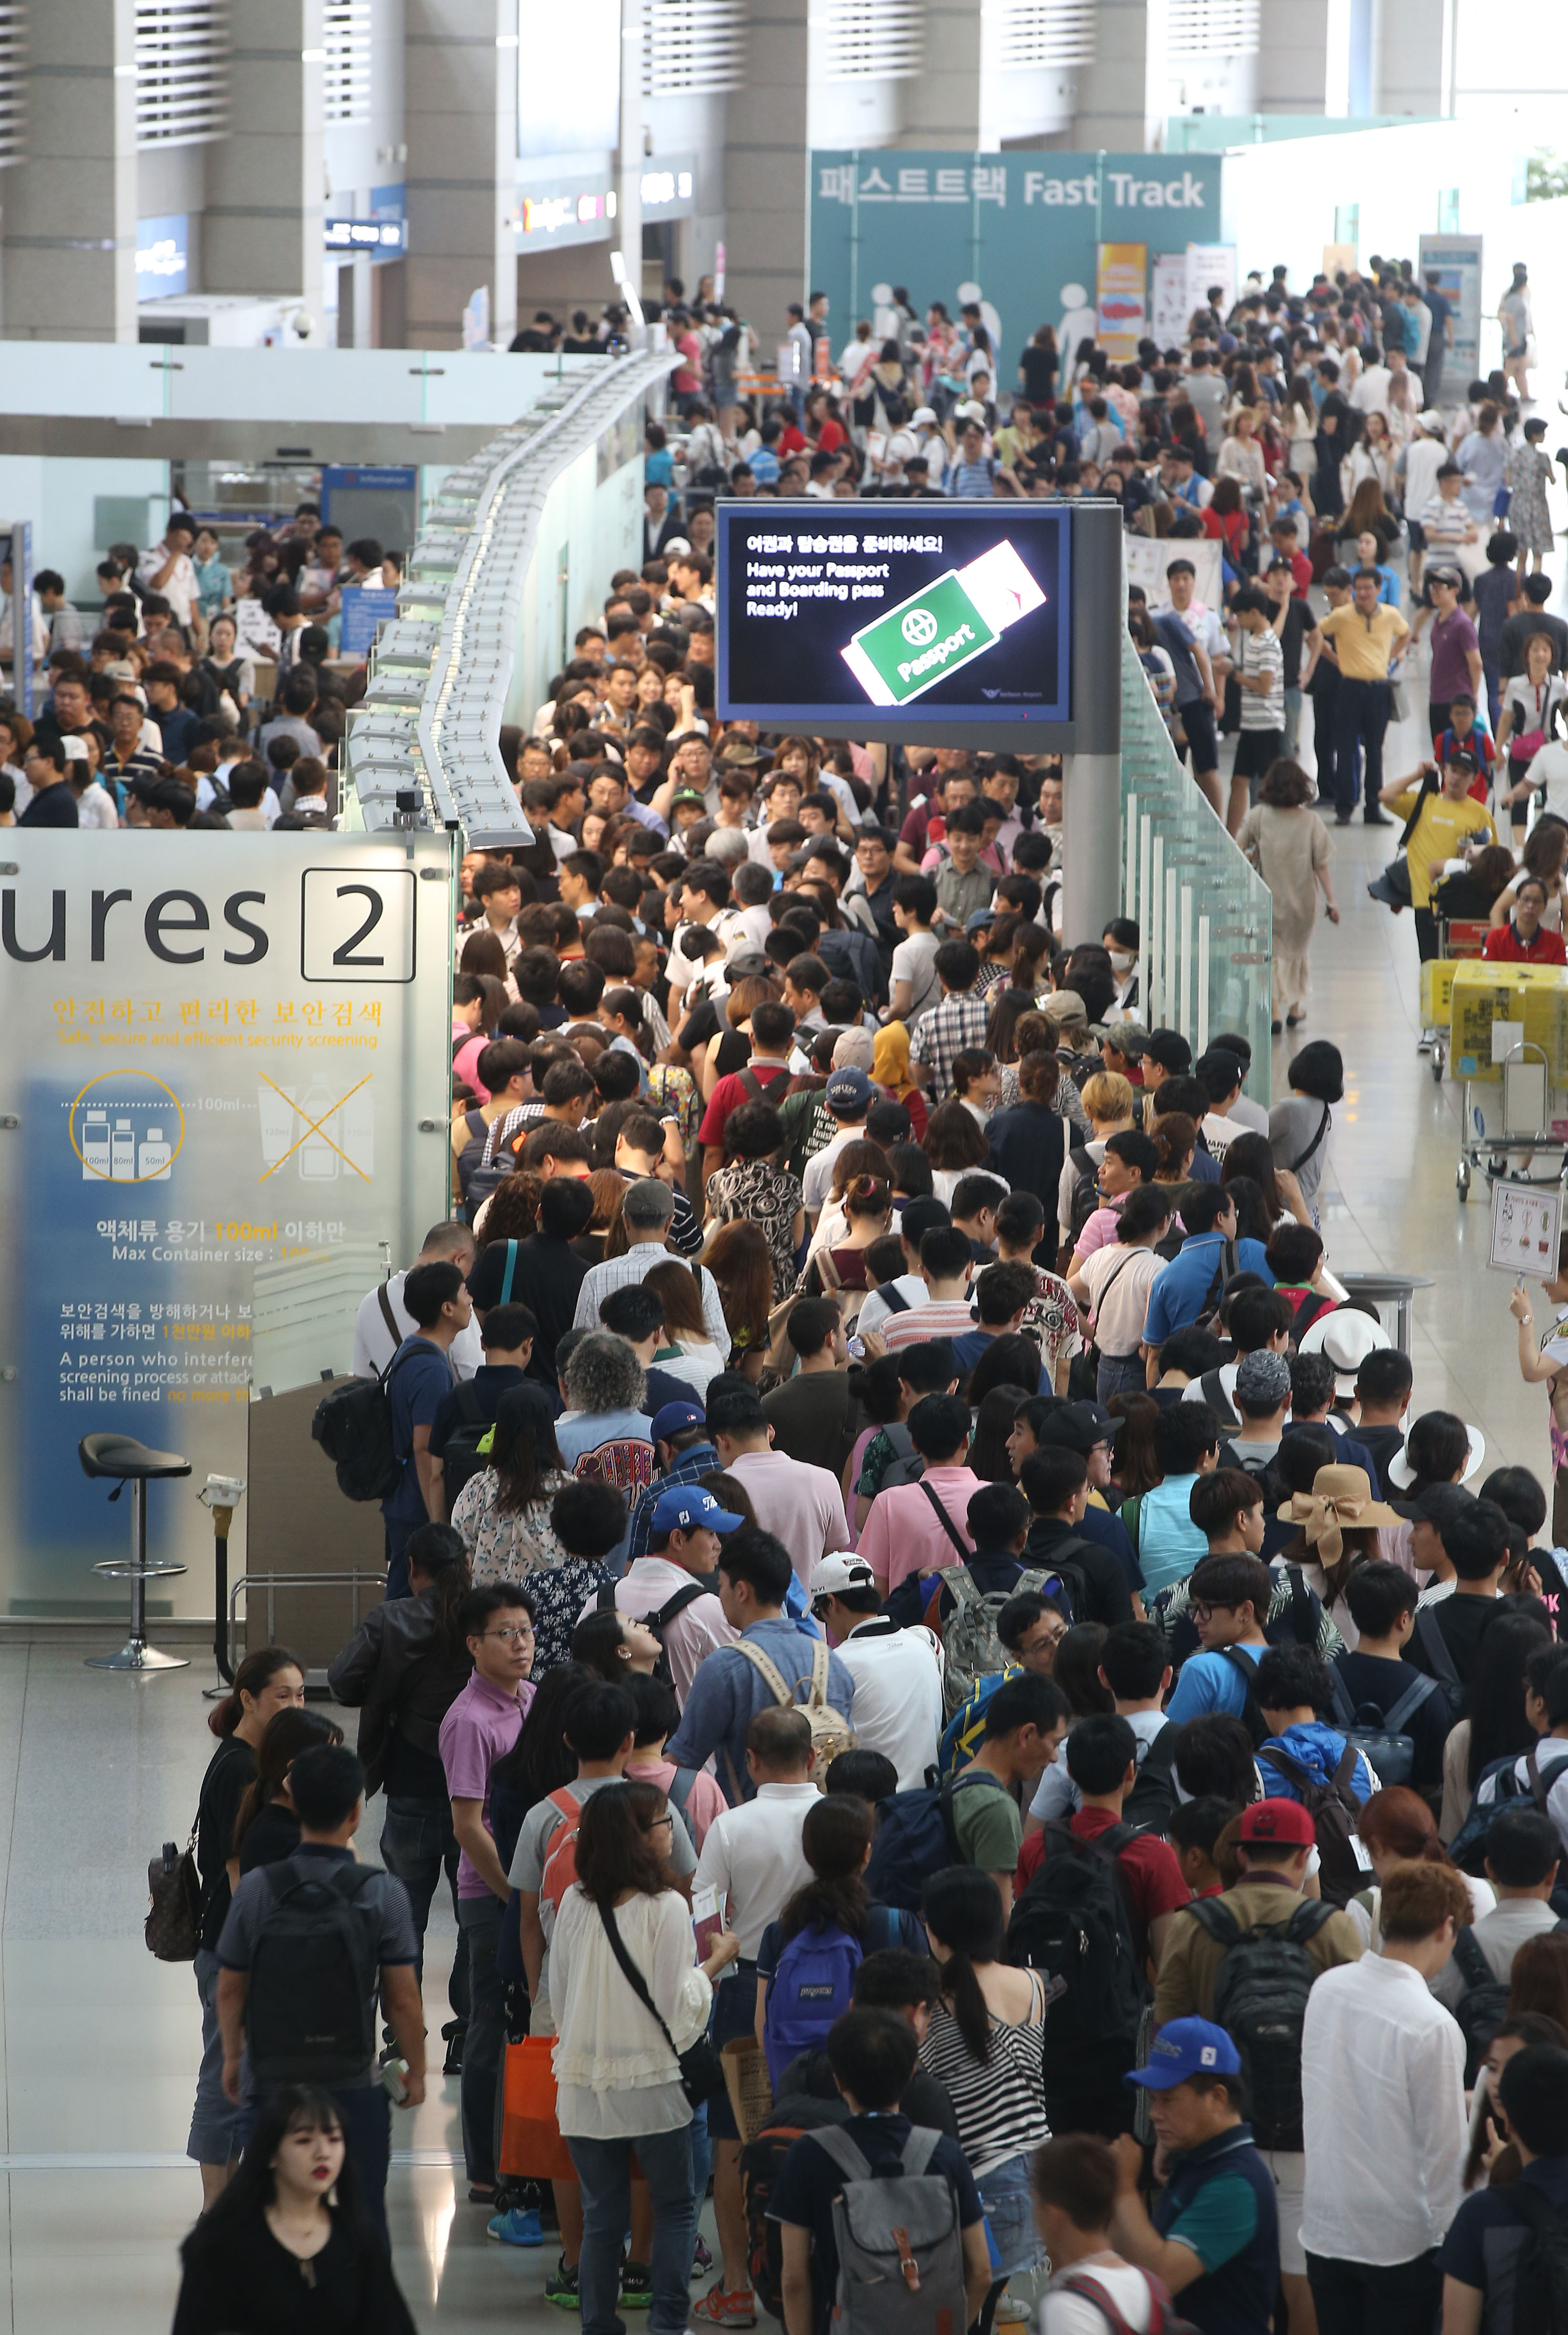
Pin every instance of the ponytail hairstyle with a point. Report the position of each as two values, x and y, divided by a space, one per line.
627 1005
834 1838
867 1195
439 1552
962 1908
257 1670
288 1733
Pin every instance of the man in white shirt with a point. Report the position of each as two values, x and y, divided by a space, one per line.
753 1855
897 1673
1383 2114
376 1339
675 1579
169 569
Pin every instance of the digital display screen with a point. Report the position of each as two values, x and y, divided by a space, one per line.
921 613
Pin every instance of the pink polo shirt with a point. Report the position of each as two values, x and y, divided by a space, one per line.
905 1535
481 1728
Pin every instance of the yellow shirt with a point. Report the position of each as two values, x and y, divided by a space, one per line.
1362 643
1439 834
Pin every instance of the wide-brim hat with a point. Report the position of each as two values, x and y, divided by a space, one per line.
1400 1471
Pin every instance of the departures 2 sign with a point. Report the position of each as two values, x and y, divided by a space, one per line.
947 610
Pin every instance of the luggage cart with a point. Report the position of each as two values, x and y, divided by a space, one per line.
1525 1130
1458 936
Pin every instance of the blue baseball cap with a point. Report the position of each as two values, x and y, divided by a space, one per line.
687 1507
847 1090
674 1416
1185 2047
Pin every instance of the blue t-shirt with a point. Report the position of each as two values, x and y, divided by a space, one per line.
1210 1682
659 468
420 1381
1180 1289
1442 309
1488 2236
967 1351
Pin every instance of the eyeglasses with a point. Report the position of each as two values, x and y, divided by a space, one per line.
1202 1614
517 1635
661 1820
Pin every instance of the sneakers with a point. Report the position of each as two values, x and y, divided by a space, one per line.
452 2035
517 2227
1010 2310
718 2308
702 2260
636 2286
561 2287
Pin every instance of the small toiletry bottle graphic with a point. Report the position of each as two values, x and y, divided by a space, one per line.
153 1158
123 1153
318 1159
95 1146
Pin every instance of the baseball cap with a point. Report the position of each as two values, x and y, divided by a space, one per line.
75 748
676 545
691 795
1439 1505
1461 758
922 413
687 1507
840 1570
1264 1377
1286 1821
1078 1427
847 1090
674 1418
1446 576
981 922
1066 1008
1170 1049
1431 422
1185 2047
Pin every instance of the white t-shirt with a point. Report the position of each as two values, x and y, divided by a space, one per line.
914 961
1075 2314
898 1677
1119 1310
1203 626
372 1341
753 1853
877 1310
94 809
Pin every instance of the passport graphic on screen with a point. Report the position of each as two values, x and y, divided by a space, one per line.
947 625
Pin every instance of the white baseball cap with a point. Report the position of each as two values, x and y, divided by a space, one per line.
840 1570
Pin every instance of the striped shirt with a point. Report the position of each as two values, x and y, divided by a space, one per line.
999 2102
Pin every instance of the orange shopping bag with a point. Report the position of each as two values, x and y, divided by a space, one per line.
531 2144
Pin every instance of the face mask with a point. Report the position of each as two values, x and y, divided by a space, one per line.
1120 963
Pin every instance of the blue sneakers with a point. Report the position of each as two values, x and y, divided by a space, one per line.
517 2227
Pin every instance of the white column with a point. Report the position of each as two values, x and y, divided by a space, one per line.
460 115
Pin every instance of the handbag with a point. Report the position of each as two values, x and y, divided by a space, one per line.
702 2069
173 1926
532 2148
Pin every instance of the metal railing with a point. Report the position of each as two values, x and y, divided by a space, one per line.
1204 913
439 673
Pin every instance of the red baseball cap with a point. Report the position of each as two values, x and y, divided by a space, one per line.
1285 1822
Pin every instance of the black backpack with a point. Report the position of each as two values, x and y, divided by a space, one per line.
1260 1991
1085 1189
1380 1735
354 1426
1074 1924
473 1149
1213 1393
462 1458
1333 1809
659 1622
1484 2005
310 2011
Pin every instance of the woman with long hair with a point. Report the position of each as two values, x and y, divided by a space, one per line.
1327 1548
1372 457
1492 2152
689 1351
1496 1725
956 1145
1291 849
1251 1155
629 1997
1396 1827
285 2246
1008 1008
266 1829
998 1407
1135 1470
606 1235
754 1187
836 1842
985 2044
868 1210
269 1680
502 1515
739 1258
1369 513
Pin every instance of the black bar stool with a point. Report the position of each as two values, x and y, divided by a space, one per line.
122 1456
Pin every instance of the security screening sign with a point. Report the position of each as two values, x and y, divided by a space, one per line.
960 612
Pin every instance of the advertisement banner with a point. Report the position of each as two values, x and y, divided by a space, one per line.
227 1080
1456 261
1211 266
1014 234
367 608
1169 307
958 611
1121 302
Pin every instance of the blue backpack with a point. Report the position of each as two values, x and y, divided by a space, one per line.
812 1986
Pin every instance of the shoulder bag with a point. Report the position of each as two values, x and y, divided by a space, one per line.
701 2069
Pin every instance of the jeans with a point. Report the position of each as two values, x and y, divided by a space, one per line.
480 1920
214 2118
417 1840
1292 720
1005 2195
1356 2298
1119 1374
1361 709
665 2159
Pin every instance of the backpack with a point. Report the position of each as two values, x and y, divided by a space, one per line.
900 2247
1074 1924
1333 1809
1261 1990
971 1648
908 1467
1085 1190
680 1792
354 1426
1435 1646
560 1868
1218 1401
462 1458
961 1735
812 1983
761 2161
687 1594
1541 2274
915 1838
830 1730
1253 1718
1229 1263
1162 2315
310 2011
1469 1846
1484 2005
1380 1735
473 1149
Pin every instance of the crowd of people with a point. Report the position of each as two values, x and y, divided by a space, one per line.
906 1571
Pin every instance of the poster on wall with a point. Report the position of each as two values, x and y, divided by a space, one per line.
1456 261
1211 266
1148 557
1169 307
1015 233
217 1065
1121 297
